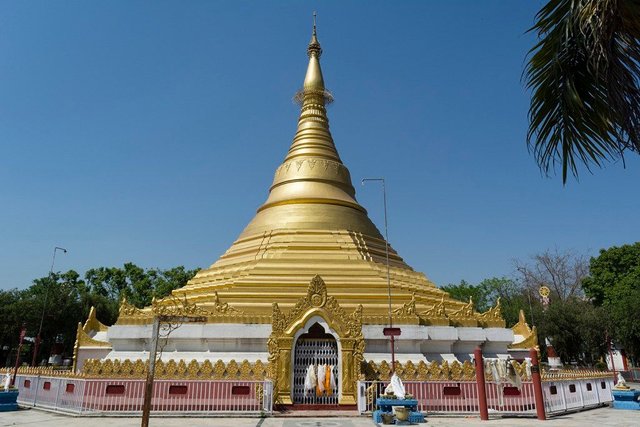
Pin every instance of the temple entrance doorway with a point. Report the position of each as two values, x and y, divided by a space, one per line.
318 349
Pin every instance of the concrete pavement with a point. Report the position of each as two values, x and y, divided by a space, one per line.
606 417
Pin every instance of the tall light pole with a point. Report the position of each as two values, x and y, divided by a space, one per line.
44 306
391 332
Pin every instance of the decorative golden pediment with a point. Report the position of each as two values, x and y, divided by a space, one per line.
317 302
174 306
348 327
437 315
522 327
464 316
84 340
528 342
92 323
492 318
128 310
407 309
529 335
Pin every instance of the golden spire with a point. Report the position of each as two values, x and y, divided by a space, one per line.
312 172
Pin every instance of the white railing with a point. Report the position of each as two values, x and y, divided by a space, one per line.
570 395
449 397
85 396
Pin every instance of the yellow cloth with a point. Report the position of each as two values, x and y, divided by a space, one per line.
327 380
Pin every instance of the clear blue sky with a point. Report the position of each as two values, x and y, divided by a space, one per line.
149 131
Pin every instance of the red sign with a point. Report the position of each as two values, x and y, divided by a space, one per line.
391 332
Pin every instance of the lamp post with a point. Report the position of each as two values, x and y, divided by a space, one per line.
390 331
44 306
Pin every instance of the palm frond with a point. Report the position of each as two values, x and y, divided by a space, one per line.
584 74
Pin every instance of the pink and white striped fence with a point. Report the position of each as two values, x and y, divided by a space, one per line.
84 396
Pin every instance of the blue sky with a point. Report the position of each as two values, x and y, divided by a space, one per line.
149 132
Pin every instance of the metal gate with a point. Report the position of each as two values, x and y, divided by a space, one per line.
317 352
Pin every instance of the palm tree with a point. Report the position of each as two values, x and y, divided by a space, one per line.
584 74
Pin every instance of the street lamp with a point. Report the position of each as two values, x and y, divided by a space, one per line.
391 332
44 306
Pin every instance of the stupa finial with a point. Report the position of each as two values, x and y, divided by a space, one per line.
314 47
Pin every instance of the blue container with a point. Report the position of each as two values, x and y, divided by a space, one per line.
8 400
626 399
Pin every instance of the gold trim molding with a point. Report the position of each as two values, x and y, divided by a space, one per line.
582 374
171 369
348 327
432 371
421 371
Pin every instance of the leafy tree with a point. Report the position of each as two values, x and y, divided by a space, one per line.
66 298
54 300
10 323
614 284
574 326
584 74
140 286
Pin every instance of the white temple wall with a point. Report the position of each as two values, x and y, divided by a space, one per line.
221 341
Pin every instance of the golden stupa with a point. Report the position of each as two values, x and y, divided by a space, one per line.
310 252
311 224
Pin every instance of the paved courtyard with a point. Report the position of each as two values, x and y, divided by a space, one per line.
596 417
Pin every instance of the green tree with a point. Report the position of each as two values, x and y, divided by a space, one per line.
65 299
109 284
574 327
584 74
614 284
10 323
56 302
